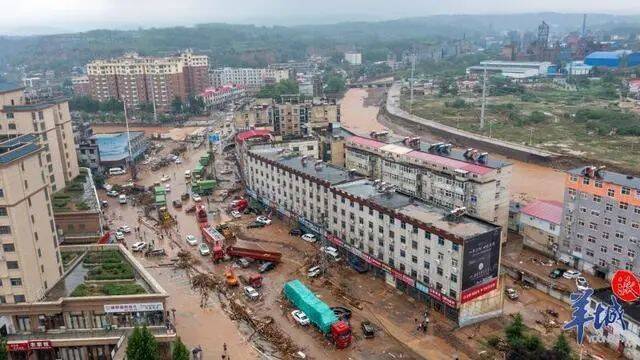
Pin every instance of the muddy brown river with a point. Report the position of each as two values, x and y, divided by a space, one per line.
529 181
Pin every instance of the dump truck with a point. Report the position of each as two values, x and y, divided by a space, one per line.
238 252
201 213
204 159
197 172
319 313
204 187
160 196
226 231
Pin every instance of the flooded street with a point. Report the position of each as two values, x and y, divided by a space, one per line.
175 133
529 181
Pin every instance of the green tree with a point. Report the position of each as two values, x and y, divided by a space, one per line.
284 87
176 105
142 345
335 84
4 352
112 105
515 330
561 349
196 104
180 351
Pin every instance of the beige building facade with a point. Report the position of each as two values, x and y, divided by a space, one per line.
441 177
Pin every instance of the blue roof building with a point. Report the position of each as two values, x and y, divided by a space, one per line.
114 147
612 59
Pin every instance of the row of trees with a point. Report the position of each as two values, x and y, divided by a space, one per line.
521 345
193 106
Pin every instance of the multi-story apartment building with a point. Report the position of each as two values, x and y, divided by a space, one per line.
249 78
601 221
81 85
70 323
296 118
137 80
30 261
440 175
445 258
221 96
51 122
254 114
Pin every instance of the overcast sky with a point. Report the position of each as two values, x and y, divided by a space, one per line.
71 15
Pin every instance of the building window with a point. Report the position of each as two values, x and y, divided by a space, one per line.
12 265
5 229
452 293
603 249
440 240
19 299
16 281
3 211
439 271
611 192
624 205
454 278
617 248
8 248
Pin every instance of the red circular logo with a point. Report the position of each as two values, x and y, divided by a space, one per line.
625 285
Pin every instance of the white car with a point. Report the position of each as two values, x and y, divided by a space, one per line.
329 249
167 187
309 238
196 197
236 214
204 249
300 317
571 274
263 220
582 283
314 271
178 161
165 178
139 246
251 293
187 174
124 229
112 193
119 235
191 240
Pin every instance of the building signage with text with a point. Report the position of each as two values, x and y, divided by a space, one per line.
477 291
126 308
481 260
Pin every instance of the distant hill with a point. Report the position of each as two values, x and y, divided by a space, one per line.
249 45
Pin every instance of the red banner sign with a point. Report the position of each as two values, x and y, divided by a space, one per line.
478 290
40 345
625 285
22 346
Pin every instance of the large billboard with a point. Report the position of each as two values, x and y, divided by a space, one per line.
481 259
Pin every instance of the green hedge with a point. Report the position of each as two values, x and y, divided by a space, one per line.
107 289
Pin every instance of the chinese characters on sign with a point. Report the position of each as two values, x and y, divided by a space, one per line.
625 285
601 317
126 308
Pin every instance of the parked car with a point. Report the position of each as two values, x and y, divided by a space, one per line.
309 238
571 274
122 199
187 174
204 249
314 271
236 214
266 267
582 283
165 178
196 197
556 273
125 229
251 293
243 263
332 252
191 240
167 187
300 317
511 293
139 246
295 232
119 235
367 329
341 312
112 193
264 220
177 204
116 171
178 161
104 204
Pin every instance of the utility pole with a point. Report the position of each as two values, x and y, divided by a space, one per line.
484 96
132 163
413 70
153 99
530 136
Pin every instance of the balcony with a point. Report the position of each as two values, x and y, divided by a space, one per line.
88 336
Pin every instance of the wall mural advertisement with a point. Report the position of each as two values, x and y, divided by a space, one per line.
480 262
625 287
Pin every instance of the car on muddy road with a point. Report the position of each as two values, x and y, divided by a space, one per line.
300 317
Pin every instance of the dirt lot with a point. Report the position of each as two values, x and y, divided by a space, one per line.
175 133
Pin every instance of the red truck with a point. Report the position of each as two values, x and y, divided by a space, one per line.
211 235
239 205
255 254
201 213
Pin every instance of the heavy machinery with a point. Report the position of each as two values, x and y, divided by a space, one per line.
226 231
203 187
232 279
239 205
254 280
211 235
204 159
319 313
160 196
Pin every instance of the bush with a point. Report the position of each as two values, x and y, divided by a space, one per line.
493 341
457 104
123 289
